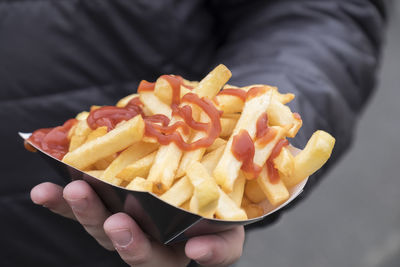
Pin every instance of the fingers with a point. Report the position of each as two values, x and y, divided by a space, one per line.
129 240
50 196
88 210
135 248
220 249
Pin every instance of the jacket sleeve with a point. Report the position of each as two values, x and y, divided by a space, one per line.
326 52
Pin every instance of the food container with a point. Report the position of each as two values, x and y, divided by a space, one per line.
164 222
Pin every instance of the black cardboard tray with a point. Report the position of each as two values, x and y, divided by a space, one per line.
164 222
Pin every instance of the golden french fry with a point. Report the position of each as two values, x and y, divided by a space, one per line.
263 151
82 116
140 184
284 98
154 105
228 166
226 86
206 192
125 100
79 134
100 131
95 173
281 115
245 201
103 164
128 156
211 159
227 126
276 193
311 158
163 90
284 162
139 168
149 139
217 143
213 82
179 193
248 87
229 103
235 116
166 162
227 209
186 205
192 84
253 191
238 189
94 107
114 141
253 210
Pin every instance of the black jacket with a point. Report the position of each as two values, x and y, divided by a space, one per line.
57 57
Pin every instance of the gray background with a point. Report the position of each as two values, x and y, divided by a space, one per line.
353 217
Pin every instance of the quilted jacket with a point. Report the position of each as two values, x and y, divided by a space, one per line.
57 57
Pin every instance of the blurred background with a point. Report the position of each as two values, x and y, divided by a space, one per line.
353 217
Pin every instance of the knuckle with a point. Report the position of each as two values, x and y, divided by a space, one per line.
92 225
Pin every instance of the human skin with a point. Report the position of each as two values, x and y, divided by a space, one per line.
120 232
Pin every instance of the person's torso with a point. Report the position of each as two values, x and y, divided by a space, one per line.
56 59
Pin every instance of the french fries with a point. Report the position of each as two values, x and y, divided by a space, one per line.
228 166
219 154
114 141
311 158
206 192
139 168
128 156
166 163
140 184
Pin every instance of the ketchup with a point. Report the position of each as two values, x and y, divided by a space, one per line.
166 135
53 140
273 173
255 91
135 101
145 86
264 134
243 150
175 82
110 116
234 92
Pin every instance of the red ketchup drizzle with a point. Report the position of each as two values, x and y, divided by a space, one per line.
264 134
254 92
166 135
53 140
110 116
273 173
234 92
243 150
175 82
135 102
145 86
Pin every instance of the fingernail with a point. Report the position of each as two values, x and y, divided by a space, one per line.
204 258
78 204
121 238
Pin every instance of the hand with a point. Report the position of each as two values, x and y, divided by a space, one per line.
119 231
